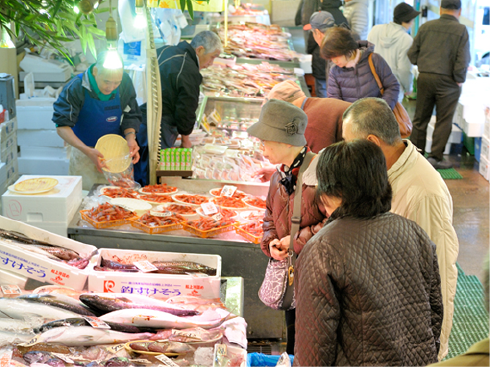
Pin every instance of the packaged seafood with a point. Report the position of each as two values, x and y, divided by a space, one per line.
153 224
107 215
118 192
251 231
208 227
233 203
255 202
163 285
159 189
237 194
139 207
226 213
156 198
190 199
46 270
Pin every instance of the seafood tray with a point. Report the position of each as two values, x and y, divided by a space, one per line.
163 285
248 236
210 232
156 229
106 224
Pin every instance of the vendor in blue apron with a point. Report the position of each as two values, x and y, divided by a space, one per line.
98 102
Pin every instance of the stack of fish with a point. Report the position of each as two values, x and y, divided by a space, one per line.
58 327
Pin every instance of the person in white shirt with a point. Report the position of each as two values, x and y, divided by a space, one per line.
393 42
357 14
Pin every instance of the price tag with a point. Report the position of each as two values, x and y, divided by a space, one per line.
115 348
31 342
9 290
220 353
141 362
217 217
209 208
228 190
63 357
161 214
195 334
145 266
166 361
96 323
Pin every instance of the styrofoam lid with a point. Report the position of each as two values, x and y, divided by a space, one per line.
134 205
115 150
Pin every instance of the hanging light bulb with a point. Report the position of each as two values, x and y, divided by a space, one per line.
112 59
140 19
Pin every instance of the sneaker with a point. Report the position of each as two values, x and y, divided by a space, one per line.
440 164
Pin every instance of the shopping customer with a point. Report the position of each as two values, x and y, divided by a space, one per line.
281 128
392 42
368 286
441 50
419 192
357 14
324 114
351 79
98 102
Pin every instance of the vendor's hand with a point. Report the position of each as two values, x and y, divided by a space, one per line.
277 250
133 148
186 141
264 174
96 157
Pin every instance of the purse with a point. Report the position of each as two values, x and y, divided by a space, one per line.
277 289
399 111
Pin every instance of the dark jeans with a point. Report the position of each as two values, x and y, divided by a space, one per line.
290 320
321 88
443 92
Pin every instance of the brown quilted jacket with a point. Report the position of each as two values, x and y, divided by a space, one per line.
277 218
368 294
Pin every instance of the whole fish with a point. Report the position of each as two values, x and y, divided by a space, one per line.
164 320
43 357
59 300
117 301
182 267
114 265
21 238
11 337
21 309
48 289
85 336
79 321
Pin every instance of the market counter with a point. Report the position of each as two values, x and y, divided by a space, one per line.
239 257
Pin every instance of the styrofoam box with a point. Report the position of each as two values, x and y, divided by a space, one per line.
485 148
39 138
12 171
486 130
27 151
428 146
55 206
3 173
7 128
153 283
59 228
8 155
38 267
472 129
35 114
11 278
484 171
10 141
456 136
46 166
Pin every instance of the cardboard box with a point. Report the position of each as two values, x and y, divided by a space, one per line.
43 269
12 172
7 128
35 114
43 166
153 283
40 138
27 151
57 205
483 168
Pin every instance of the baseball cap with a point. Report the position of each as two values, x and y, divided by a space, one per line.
451 4
404 13
320 20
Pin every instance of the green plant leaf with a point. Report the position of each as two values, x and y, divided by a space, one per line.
88 22
190 9
83 39
56 8
91 45
96 31
182 5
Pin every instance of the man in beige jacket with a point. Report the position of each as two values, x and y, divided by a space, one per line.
419 192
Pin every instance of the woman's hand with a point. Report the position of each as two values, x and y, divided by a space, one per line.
278 250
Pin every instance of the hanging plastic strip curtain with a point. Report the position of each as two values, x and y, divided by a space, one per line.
212 5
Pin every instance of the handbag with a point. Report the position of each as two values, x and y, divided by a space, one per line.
277 289
399 111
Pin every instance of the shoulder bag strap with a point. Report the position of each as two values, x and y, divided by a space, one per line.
373 70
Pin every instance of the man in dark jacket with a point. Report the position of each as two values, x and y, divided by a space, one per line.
441 52
98 102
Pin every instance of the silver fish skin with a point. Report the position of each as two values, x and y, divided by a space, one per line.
60 301
79 321
21 309
119 301
72 336
10 337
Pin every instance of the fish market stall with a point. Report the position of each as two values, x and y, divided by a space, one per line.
236 244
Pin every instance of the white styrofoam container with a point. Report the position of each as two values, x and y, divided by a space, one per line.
7 128
39 138
486 130
485 148
59 228
43 166
8 155
3 173
10 278
472 129
153 283
58 205
456 136
10 141
27 151
428 146
35 113
32 265
12 171
483 168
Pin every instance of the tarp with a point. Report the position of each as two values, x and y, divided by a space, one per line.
259 359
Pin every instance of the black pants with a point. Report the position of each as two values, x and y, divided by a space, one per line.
290 320
443 92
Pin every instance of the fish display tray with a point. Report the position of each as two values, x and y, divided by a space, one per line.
106 224
31 265
163 285
156 229
248 236
209 233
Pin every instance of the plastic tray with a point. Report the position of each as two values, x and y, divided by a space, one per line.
106 224
209 233
248 236
156 229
